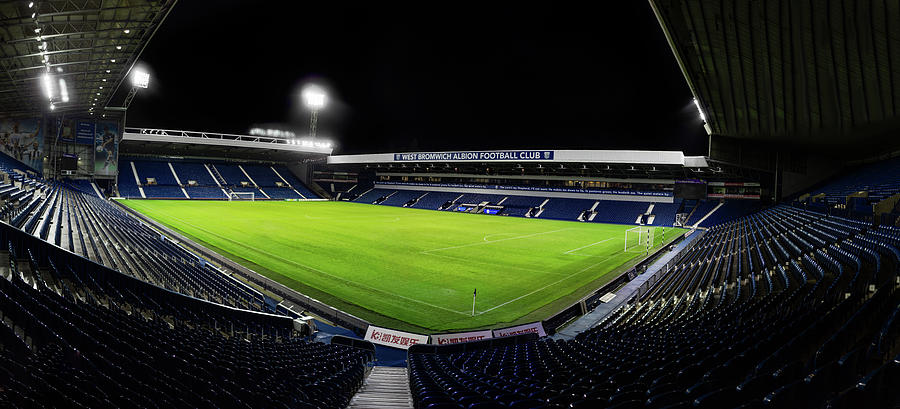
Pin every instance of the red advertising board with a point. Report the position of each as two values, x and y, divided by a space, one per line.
394 338
444 339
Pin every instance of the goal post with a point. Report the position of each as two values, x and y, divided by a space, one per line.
251 196
640 239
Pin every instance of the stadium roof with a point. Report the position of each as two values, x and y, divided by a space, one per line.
91 44
809 72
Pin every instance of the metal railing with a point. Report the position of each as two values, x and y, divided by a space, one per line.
304 142
592 300
207 135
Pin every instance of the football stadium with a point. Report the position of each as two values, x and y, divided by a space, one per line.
675 204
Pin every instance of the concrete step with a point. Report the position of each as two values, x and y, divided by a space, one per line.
385 387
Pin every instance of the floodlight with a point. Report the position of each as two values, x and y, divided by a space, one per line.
314 97
63 90
697 103
30 4
48 85
126 31
140 79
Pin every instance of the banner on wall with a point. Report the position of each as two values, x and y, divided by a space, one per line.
66 133
459 337
23 140
394 338
534 327
84 132
79 131
106 146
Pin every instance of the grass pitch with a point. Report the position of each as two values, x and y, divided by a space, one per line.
408 268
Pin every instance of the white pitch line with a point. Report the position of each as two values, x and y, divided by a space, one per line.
586 255
479 243
589 245
485 238
501 266
548 285
320 271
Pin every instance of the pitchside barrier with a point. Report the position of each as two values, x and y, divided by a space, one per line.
588 303
648 284
325 311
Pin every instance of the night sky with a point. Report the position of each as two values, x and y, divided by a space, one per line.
469 77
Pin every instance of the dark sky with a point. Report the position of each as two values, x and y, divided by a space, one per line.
470 76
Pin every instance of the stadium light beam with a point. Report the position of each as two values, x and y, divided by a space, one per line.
700 110
63 90
140 79
314 97
48 85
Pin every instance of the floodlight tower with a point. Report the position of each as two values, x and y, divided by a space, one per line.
139 80
314 97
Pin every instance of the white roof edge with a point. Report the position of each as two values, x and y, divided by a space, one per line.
695 162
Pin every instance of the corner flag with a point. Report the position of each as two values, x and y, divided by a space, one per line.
474 293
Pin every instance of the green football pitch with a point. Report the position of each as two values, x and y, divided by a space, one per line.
408 268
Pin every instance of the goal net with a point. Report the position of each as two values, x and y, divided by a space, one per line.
639 239
251 196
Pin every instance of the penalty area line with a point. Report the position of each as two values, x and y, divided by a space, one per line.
589 245
546 286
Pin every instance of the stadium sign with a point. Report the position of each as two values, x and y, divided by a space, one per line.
393 338
533 328
459 337
474 156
